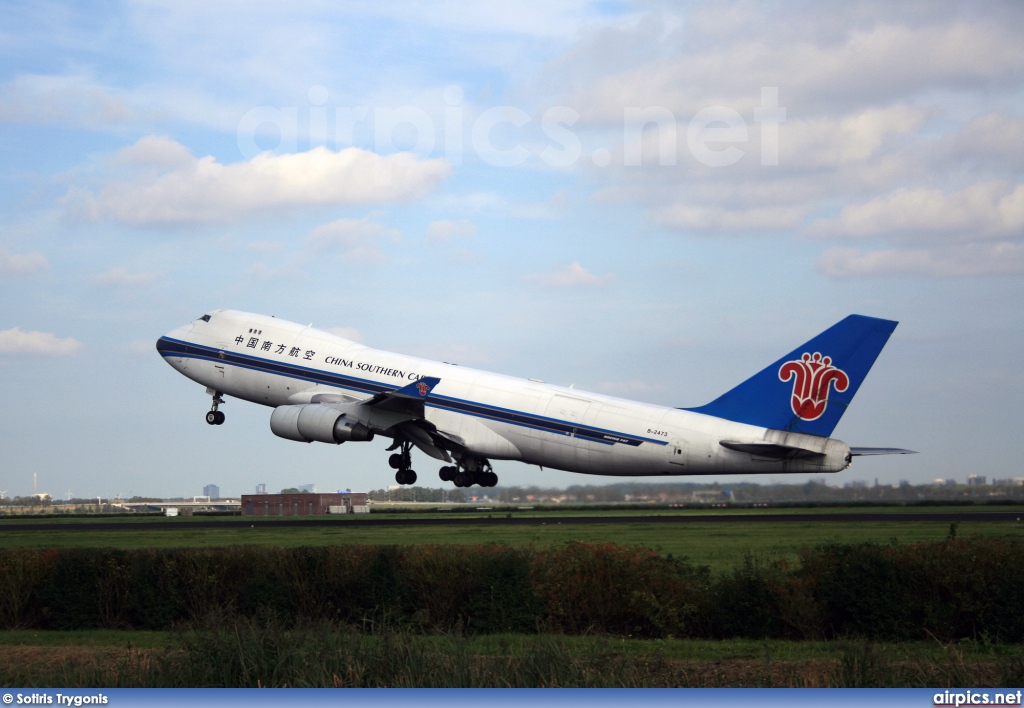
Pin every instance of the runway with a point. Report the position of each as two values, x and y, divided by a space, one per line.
492 520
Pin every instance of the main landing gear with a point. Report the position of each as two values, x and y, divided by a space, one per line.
402 461
214 416
470 471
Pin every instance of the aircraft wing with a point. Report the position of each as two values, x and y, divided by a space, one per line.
408 402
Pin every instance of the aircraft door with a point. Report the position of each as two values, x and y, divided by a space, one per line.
688 453
676 453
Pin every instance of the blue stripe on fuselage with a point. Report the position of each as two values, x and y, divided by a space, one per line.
173 347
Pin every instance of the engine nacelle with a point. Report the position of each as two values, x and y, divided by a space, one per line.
315 422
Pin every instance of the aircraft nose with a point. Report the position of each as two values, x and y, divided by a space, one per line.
173 343
163 345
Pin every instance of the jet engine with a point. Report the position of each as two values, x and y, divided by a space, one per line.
316 422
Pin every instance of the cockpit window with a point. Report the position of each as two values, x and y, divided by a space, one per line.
205 318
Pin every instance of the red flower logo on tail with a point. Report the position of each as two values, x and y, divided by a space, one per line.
423 389
812 376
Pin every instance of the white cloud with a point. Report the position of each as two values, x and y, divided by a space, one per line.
962 261
21 263
204 191
359 239
156 151
347 233
902 126
818 64
987 209
992 137
16 341
718 219
852 138
62 100
444 231
573 275
350 333
120 278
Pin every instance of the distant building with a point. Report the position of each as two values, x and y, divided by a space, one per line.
304 504
261 489
308 488
212 491
974 480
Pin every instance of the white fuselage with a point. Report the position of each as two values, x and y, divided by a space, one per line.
274 362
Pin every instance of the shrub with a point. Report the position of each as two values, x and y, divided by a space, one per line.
959 588
627 590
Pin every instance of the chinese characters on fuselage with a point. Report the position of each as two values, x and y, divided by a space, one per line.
267 345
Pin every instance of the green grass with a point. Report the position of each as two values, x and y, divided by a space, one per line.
718 545
253 654
84 638
520 644
388 512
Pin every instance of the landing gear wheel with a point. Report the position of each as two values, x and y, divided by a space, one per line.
490 479
214 416
400 476
396 461
461 480
447 474
410 476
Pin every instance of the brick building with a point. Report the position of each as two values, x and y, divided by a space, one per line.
302 504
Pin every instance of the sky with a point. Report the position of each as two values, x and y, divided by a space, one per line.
649 200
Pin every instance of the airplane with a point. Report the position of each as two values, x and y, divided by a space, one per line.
324 388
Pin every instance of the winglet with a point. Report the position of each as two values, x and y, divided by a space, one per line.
407 400
418 389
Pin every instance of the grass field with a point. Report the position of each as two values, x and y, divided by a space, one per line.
518 644
317 656
387 510
718 545
275 657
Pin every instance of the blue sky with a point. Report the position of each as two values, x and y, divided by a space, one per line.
470 182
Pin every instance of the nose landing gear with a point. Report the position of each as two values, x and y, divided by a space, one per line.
214 416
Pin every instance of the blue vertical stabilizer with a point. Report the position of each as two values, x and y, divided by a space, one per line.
808 390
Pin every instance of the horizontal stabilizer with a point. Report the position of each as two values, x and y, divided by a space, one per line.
858 451
771 450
